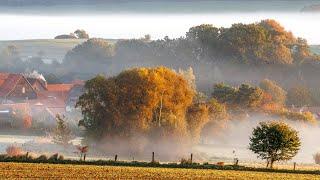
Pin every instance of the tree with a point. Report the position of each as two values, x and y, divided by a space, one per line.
83 150
299 96
10 57
274 141
81 34
62 133
66 36
189 76
248 96
316 158
224 93
197 117
146 101
245 96
218 119
94 54
272 88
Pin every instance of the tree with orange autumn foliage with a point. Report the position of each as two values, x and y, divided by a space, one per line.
146 101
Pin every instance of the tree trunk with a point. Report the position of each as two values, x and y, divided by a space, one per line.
267 163
271 164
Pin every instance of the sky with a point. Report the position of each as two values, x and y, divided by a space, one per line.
115 26
133 19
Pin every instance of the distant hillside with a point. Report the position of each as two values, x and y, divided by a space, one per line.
52 48
315 49
311 8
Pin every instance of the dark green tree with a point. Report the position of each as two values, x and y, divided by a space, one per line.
81 34
94 55
274 141
224 93
249 96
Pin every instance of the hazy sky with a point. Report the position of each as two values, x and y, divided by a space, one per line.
135 18
136 25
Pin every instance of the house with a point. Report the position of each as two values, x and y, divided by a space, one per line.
37 84
15 88
75 92
40 98
15 115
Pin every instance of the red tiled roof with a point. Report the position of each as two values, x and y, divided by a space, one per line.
78 82
59 87
9 81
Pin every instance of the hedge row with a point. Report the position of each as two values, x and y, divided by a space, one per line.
56 159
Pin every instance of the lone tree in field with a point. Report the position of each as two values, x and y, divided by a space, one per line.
274 141
62 134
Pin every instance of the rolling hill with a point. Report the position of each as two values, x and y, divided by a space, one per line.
53 49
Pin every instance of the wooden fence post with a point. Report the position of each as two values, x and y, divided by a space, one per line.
152 157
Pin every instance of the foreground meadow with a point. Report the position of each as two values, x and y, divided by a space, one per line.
53 171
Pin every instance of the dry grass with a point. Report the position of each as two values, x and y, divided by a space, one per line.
50 171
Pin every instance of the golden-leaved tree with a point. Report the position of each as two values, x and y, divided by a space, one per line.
147 102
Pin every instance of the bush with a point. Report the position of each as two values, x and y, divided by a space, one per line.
14 150
220 163
294 116
54 157
42 158
316 158
61 158
184 161
3 157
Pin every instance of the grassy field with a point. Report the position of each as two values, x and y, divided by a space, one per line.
52 48
48 171
315 49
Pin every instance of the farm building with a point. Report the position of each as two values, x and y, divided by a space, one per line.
37 97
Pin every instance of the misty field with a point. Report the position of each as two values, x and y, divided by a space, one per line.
18 171
315 49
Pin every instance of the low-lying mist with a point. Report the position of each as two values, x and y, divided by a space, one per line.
234 141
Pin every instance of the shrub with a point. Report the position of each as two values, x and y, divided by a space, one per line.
54 157
220 163
14 150
3 157
316 158
184 161
42 158
61 158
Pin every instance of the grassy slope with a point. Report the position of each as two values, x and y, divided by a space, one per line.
22 170
315 49
53 48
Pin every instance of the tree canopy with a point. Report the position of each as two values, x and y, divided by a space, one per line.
147 101
91 55
272 88
245 96
274 141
